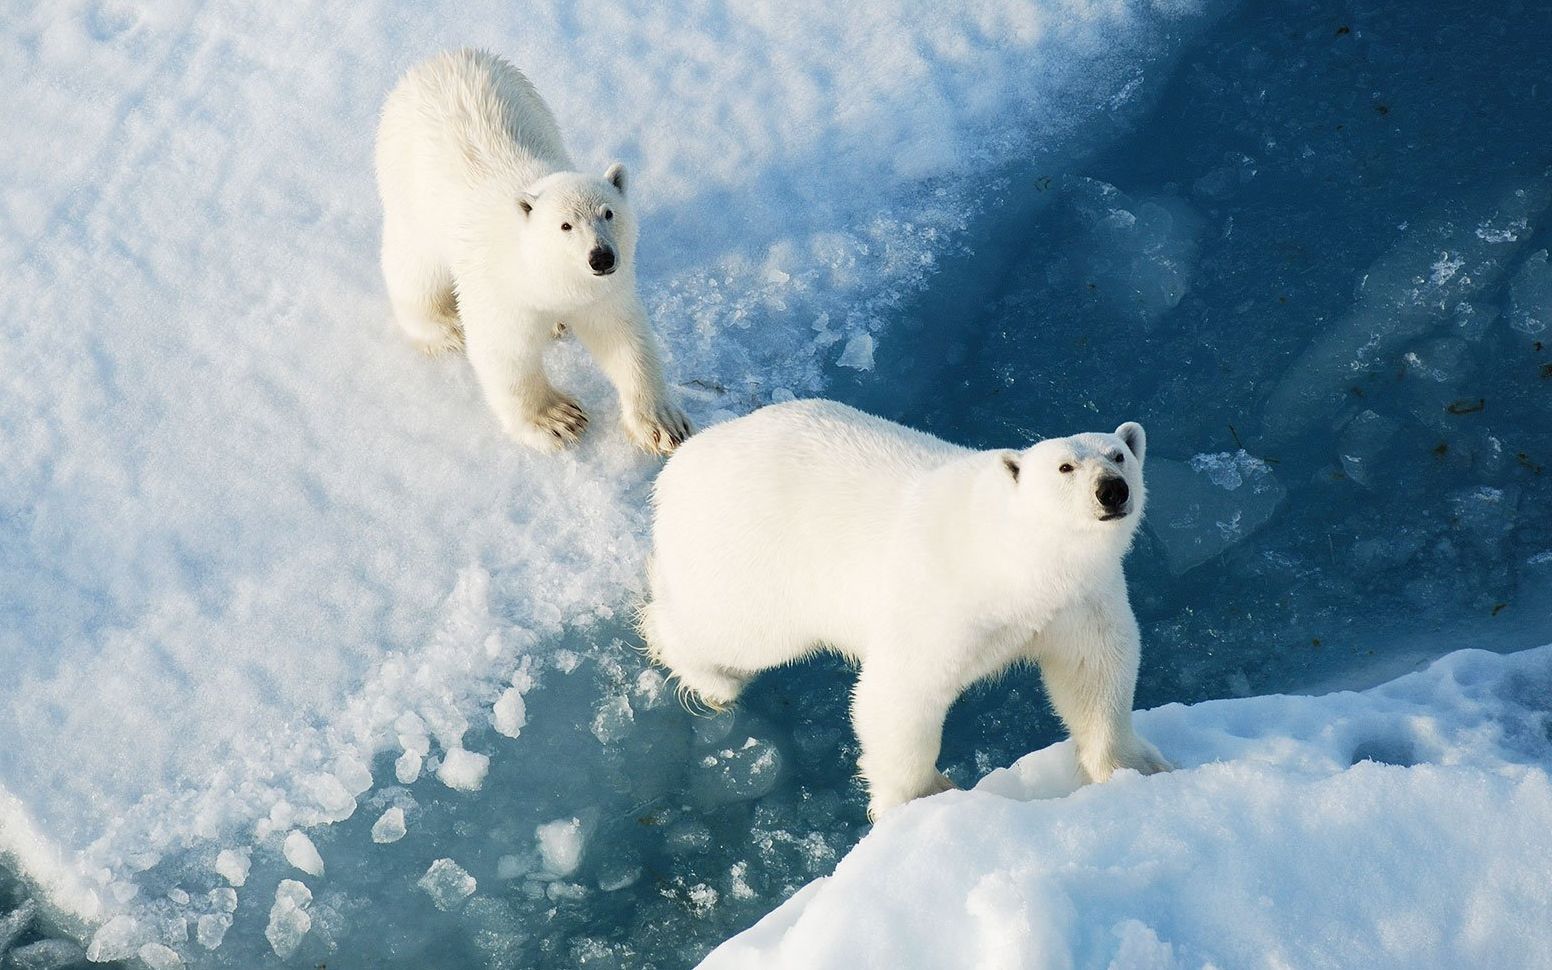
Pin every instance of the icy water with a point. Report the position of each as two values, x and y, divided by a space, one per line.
1317 271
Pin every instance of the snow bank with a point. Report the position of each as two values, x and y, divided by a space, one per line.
249 540
1406 826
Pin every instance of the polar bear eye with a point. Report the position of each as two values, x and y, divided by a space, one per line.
608 213
1118 458
1066 468
565 227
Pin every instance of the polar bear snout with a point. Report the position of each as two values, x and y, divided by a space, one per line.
1112 494
602 261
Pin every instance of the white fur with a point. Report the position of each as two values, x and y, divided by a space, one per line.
476 184
810 525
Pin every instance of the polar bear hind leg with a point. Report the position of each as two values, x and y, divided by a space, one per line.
421 289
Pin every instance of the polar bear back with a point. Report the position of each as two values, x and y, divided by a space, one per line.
797 502
464 119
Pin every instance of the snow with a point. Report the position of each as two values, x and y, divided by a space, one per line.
1410 823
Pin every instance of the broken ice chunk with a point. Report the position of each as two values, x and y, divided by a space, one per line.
407 768
233 865
15 923
159 957
739 773
560 845
463 770
211 928
117 939
288 918
613 719
1530 295
300 852
1198 509
448 884
858 354
390 827
45 955
509 715
1363 445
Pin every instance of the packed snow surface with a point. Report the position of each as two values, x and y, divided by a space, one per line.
1406 826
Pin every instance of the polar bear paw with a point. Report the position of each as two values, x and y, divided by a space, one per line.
658 428
449 341
1138 756
883 801
558 424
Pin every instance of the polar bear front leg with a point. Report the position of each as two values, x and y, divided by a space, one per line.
508 359
899 723
1088 660
621 340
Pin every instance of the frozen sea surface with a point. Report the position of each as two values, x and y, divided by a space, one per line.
269 582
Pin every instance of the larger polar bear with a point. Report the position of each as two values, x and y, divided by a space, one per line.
492 242
811 525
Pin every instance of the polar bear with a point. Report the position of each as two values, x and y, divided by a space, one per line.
493 243
810 525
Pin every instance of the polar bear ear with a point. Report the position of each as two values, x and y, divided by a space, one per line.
616 176
1011 464
1132 435
526 203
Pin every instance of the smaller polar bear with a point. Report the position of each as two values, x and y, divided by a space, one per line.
811 525
493 243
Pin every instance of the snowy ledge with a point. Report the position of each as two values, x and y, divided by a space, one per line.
1406 826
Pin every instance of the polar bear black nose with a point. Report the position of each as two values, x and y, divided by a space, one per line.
602 260
1112 493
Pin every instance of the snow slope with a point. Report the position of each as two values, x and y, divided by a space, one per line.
248 539
1406 826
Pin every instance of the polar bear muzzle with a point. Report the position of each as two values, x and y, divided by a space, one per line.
1112 493
601 259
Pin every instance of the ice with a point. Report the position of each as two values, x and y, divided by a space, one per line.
16 922
739 772
289 919
233 865
1363 445
463 770
1530 296
448 884
300 852
1197 509
116 939
1283 813
210 929
389 827
508 713
560 845
159 957
45 955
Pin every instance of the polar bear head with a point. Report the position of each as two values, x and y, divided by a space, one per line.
579 232
1086 482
